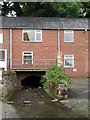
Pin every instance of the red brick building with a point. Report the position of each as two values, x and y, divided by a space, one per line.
36 43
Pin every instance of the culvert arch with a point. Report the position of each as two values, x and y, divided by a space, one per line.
29 78
32 81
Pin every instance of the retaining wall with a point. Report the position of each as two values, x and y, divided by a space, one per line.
9 83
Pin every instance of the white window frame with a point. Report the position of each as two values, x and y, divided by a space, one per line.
1 37
27 55
69 31
3 64
72 63
35 35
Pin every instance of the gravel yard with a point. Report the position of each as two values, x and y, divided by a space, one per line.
78 96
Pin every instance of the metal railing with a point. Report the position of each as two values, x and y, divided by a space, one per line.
33 63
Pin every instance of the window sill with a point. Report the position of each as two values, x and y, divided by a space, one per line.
68 41
68 67
32 42
28 64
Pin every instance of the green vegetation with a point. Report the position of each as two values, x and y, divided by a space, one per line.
8 95
55 75
40 9
10 72
10 84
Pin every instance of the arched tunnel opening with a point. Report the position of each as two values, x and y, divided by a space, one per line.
31 82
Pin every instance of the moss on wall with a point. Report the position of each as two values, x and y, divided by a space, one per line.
9 81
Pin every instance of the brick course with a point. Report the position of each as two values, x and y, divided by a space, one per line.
6 43
48 48
79 48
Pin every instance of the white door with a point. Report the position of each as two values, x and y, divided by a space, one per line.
3 59
0 74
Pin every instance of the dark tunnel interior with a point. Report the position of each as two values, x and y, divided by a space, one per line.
31 82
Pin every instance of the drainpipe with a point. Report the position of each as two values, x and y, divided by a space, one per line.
58 60
10 48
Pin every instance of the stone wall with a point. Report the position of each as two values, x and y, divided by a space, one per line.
59 91
9 83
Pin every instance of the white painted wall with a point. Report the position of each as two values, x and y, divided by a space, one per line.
0 74
1 38
3 64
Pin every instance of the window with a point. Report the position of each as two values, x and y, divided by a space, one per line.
68 60
68 36
2 55
1 38
3 59
28 58
32 35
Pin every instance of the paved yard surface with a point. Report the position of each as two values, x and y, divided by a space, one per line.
78 96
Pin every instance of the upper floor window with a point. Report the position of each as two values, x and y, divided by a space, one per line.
1 38
32 35
28 58
2 55
68 36
68 60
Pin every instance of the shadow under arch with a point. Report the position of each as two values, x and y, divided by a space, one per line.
32 81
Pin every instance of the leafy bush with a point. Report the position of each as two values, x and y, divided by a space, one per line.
56 75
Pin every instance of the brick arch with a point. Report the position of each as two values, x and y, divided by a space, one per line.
32 81
23 75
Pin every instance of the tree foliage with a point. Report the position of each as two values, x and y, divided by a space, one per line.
56 75
47 9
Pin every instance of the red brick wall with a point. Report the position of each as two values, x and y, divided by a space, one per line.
48 48
89 53
22 75
6 45
79 48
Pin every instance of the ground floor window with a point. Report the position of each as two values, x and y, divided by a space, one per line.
28 57
3 59
68 60
2 55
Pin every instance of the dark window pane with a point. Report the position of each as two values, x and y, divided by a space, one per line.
2 55
26 37
27 58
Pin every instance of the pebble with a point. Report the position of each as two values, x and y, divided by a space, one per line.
10 102
41 102
36 116
26 102
21 98
42 96
39 87
55 100
27 90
